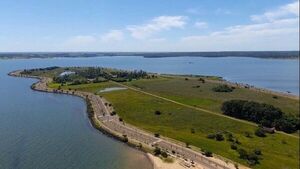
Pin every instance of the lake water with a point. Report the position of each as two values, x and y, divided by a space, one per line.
42 130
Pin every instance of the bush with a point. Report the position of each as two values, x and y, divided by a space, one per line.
156 134
253 159
157 112
248 134
260 132
192 130
219 137
113 113
233 146
242 153
257 151
230 137
211 136
207 153
125 139
201 80
157 151
222 88
164 154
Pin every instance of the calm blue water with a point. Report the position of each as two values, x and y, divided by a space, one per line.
276 74
52 131
40 130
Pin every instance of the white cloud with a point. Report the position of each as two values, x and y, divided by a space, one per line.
201 25
285 11
157 24
113 36
275 35
81 40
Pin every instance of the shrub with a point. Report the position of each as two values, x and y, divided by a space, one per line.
230 137
248 134
192 130
211 136
201 80
125 139
164 154
157 112
207 153
157 151
219 137
222 88
260 132
233 146
113 113
156 134
257 151
252 159
242 153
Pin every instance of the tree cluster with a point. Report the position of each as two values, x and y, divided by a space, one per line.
261 113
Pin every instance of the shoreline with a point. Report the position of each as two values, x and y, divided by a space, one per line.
241 85
100 119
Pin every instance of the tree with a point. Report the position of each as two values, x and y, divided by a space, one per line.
261 113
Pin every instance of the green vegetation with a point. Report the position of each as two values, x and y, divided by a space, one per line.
223 88
76 76
261 113
212 132
180 90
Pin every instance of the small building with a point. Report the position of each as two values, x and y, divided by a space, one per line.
66 73
269 130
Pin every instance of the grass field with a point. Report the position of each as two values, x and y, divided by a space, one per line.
195 93
176 122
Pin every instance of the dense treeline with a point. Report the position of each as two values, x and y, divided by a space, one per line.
263 114
29 71
97 74
256 54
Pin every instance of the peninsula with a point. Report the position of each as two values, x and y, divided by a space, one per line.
196 121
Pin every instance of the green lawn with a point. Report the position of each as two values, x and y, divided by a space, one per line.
187 92
279 151
176 122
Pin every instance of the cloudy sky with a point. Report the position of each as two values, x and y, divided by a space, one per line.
156 25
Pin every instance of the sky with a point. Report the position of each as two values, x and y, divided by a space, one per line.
156 25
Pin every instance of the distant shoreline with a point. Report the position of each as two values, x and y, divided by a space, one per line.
246 54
